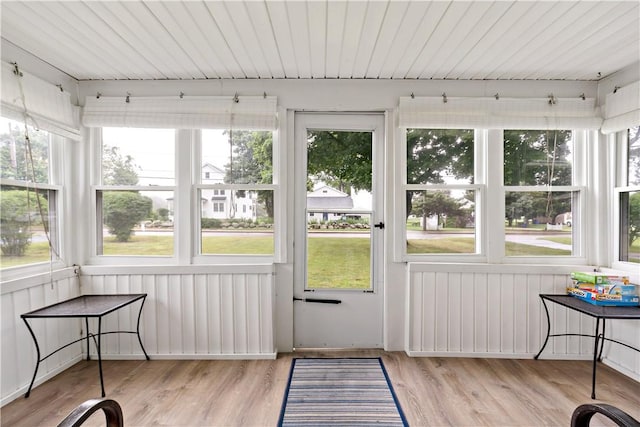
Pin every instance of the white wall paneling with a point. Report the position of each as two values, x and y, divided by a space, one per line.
18 352
495 311
202 313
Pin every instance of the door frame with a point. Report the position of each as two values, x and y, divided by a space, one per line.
374 305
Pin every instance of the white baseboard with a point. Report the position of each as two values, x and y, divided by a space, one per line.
243 356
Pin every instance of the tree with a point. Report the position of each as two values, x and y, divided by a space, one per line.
438 203
15 158
434 154
340 159
540 158
123 210
252 163
634 217
118 169
19 211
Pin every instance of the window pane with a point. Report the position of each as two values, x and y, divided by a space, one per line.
440 156
237 157
132 156
630 227
441 222
16 156
135 223
26 217
534 157
539 223
236 222
634 156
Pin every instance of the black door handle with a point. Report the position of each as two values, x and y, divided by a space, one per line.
379 225
319 300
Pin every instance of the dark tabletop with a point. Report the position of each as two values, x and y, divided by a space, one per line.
85 306
601 311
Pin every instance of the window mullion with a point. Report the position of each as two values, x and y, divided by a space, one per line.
183 229
494 202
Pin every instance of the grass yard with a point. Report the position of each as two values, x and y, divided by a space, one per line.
335 262
466 245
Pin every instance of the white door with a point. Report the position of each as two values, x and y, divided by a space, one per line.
338 295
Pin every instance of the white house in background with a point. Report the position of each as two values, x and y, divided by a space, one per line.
328 204
222 203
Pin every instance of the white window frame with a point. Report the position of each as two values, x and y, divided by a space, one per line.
579 223
490 202
56 175
620 180
95 138
275 186
479 187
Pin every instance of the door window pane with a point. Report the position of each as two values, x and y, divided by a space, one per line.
339 207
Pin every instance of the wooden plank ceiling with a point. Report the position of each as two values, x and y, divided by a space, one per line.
531 40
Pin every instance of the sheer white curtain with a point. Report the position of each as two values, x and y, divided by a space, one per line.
187 112
42 104
498 113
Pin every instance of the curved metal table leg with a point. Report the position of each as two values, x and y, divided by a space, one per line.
35 371
138 329
546 310
595 358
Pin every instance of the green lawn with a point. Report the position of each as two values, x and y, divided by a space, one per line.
563 240
333 261
466 245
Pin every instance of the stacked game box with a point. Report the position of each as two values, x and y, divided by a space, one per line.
603 289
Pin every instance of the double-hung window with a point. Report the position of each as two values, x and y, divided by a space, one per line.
30 195
628 196
236 192
440 193
190 178
541 198
135 196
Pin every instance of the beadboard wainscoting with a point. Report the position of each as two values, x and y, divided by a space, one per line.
198 312
495 311
18 351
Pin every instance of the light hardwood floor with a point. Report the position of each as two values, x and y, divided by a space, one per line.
432 391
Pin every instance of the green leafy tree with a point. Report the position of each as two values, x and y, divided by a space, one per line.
15 156
634 217
163 214
342 160
19 212
118 169
438 203
433 154
123 210
540 158
252 163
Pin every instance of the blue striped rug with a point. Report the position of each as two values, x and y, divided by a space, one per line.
353 392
